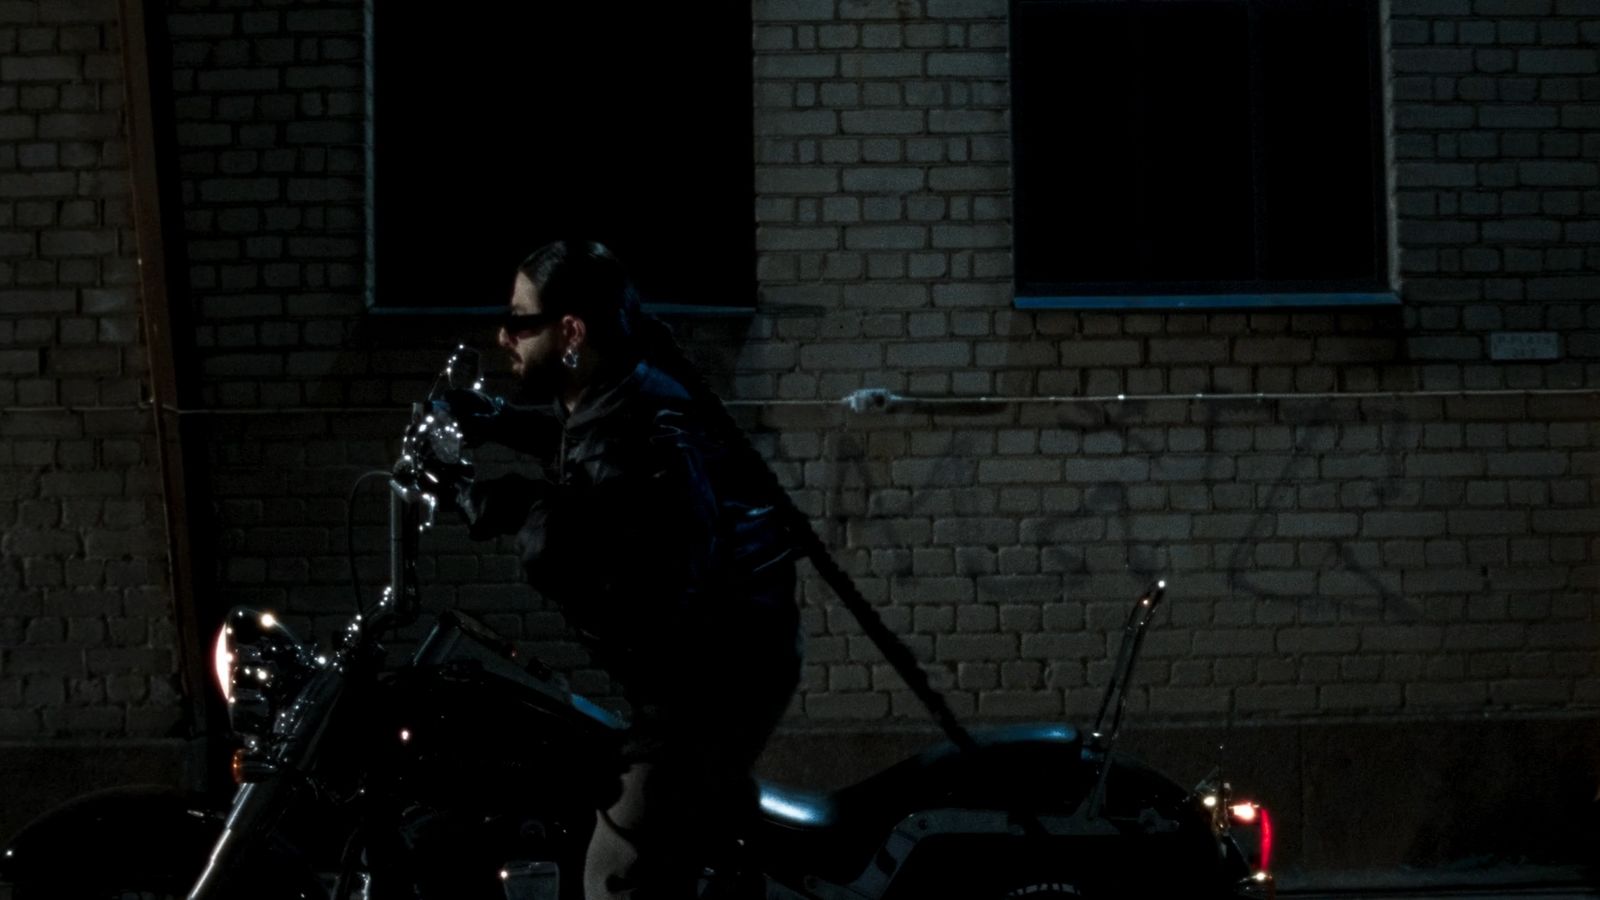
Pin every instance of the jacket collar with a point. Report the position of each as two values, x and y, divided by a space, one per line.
604 397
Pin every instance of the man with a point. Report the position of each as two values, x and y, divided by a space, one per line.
655 529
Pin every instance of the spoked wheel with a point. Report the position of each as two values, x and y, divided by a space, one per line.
133 889
105 890
154 881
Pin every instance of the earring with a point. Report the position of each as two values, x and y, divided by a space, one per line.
570 358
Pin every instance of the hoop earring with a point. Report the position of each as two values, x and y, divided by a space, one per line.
570 358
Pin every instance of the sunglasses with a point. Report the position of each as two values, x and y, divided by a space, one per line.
517 323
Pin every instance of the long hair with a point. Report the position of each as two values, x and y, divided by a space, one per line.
586 279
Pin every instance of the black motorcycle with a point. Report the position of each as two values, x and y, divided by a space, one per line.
469 772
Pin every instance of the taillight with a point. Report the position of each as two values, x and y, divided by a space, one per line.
1247 817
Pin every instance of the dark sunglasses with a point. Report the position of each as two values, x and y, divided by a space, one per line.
517 323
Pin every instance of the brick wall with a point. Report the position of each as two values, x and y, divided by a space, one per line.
1401 527
1498 187
1385 556
86 636
1329 556
1370 557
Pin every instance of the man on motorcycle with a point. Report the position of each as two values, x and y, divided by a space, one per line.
653 525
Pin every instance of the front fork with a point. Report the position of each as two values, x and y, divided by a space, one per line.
259 805
256 808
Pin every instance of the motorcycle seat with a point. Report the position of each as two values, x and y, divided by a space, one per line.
845 826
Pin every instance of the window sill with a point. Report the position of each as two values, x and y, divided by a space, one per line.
1209 301
680 310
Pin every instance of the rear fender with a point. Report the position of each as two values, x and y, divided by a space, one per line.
1032 781
1024 768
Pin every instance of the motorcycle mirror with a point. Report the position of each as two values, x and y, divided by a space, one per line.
463 372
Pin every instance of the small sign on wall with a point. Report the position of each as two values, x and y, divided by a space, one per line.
1524 345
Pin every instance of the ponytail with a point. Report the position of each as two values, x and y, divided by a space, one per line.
658 345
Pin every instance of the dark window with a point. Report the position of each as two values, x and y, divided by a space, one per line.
1201 148
499 127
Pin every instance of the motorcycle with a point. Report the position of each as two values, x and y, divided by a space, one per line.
469 772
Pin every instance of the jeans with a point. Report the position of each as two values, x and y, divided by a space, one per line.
697 732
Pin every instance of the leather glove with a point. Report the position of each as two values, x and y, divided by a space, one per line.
478 415
443 478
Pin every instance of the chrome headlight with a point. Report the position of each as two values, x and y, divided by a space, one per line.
259 667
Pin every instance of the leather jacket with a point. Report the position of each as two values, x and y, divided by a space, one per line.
646 527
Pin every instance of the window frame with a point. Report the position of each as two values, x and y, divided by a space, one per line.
1380 290
371 192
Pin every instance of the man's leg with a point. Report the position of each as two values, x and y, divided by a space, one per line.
700 745
643 846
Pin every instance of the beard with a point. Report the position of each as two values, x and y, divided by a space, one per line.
539 382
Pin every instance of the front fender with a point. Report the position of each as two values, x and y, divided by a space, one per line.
148 824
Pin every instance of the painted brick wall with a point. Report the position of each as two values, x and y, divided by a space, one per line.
1379 556
1397 555
1370 557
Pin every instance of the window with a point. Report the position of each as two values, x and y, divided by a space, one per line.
496 128
1198 153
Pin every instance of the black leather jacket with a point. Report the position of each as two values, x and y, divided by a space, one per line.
648 531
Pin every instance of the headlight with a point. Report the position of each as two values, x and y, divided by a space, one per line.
222 662
259 665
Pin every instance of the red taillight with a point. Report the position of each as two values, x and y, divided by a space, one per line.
1266 839
1254 815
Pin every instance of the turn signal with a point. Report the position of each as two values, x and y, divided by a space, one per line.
245 769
